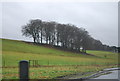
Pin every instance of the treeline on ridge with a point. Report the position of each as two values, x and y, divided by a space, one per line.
66 36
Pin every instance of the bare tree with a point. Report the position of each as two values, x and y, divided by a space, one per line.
65 35
32 29
49 32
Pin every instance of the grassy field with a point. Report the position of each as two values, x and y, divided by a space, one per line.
103 54
61 62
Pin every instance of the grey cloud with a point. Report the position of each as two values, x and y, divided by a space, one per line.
100 19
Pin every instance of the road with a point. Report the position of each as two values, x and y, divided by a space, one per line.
110 74
113 76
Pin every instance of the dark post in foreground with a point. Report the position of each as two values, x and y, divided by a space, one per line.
24 70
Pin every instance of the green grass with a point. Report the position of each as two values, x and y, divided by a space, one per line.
12 59
103 54
51 72
18 46
63 63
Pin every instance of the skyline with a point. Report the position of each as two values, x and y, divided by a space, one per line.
100 19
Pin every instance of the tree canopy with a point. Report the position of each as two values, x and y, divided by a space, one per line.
67 36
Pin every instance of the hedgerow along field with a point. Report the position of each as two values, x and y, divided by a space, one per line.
54 62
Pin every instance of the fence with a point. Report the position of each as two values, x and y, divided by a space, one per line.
32 63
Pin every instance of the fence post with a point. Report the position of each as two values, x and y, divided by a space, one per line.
38 62
48 62
24 70
3 63
29 62
33 63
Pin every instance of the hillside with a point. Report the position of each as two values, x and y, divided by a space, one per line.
24 51
13 51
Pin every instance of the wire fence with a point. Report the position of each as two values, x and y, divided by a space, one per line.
32 63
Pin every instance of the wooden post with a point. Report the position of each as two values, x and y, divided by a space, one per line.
3 63
29 63
48 62
38 62
24 70
33 63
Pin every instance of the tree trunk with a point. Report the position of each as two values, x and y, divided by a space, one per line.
41 37
46 40
34 39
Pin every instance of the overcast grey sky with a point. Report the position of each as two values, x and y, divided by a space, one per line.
100 19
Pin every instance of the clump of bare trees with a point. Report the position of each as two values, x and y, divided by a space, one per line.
66 36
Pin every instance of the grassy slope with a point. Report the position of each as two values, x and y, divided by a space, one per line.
13 51
103 54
